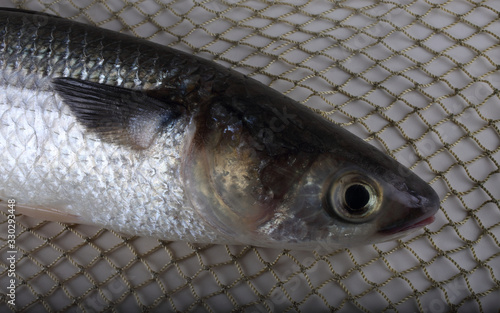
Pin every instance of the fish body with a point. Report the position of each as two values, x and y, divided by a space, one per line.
101 128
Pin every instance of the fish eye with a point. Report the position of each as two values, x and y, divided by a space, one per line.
354 197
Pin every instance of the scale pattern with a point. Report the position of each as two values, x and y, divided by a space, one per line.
52 161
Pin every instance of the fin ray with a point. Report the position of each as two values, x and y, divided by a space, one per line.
120 115
44 213
43 14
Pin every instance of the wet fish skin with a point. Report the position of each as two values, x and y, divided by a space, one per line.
120 132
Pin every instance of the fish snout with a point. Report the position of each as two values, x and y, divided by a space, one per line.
412 208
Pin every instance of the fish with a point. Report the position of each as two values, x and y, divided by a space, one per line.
102 128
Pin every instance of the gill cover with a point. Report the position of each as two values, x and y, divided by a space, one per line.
234 181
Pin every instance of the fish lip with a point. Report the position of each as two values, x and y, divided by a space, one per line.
417 215
393 229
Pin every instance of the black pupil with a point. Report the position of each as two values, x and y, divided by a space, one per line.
356 197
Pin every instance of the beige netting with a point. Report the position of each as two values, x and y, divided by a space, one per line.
418 79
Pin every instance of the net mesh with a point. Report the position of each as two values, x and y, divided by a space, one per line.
418 79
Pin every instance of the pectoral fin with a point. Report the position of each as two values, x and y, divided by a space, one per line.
119 115
34 13
43 213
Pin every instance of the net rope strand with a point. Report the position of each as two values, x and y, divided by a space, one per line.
418 79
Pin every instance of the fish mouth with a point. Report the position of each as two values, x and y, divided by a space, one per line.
393 229
414 210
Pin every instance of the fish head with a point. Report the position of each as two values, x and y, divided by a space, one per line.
288 178
342 204
353 195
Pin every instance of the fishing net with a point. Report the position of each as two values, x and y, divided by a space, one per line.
418 79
